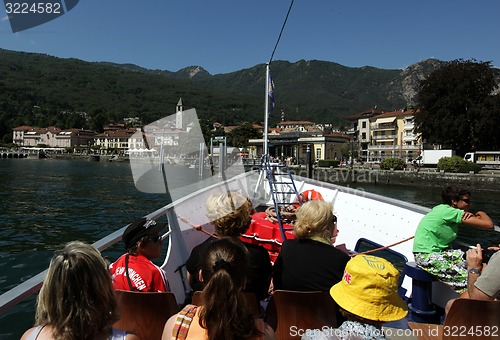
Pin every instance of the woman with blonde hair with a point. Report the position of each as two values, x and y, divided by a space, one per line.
77 299
310 261
231 214
224 313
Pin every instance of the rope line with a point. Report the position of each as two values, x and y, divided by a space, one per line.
281 32
197 227
382 248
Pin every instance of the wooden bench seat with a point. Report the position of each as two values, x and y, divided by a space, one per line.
145 314
467 319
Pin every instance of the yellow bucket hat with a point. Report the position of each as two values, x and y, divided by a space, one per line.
369 289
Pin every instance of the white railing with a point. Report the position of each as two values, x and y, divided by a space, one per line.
393 147
383 127
376 137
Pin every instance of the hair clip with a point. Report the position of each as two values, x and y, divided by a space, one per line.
221 264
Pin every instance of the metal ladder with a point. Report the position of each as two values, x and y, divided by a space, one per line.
281 189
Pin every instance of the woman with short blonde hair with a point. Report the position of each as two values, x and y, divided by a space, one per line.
310 261
230 213
315 219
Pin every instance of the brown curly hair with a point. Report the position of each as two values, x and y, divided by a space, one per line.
230 213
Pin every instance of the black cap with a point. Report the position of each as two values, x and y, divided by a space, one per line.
140 228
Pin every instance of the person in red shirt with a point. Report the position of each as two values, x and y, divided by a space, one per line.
134 270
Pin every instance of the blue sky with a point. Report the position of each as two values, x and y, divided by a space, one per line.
224 36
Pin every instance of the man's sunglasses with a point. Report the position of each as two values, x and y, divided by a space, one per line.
156 239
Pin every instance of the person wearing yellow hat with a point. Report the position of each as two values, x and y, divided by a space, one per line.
368 297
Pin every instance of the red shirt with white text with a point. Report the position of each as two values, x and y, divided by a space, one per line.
144 275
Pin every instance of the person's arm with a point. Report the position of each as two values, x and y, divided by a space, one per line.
169 327
27 333
269 333
158 281
132 336
193 264
190 279
277 271
474 259
479 219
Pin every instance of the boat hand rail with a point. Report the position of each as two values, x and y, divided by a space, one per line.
264 240
24 290
20 292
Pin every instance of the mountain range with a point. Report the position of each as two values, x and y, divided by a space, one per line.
314 89
38 89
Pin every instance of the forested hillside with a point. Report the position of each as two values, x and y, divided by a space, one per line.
42 90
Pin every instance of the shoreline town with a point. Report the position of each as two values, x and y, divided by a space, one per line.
375 136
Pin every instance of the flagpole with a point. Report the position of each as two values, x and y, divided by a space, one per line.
266 114
265 156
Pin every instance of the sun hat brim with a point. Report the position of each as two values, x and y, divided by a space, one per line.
389 308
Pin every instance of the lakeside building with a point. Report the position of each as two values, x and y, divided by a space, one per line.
229 128
30 136
294 139
386 134
116 140
361 130
393 136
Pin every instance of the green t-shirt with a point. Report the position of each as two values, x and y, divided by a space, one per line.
437 229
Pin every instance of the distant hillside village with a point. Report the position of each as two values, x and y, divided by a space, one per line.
374 135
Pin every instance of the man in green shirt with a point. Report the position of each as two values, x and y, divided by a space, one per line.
439 228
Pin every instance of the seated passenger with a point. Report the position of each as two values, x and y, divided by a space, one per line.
368 297
310 262
77 299
438 229
134 270
483 280
224 313
230 214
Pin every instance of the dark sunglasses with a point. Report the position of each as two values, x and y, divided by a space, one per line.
466 200
334 219
156 239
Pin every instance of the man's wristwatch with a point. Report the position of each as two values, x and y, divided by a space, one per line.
474 271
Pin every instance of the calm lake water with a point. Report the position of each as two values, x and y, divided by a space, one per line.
45 203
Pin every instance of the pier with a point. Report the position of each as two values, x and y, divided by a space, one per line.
14 154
